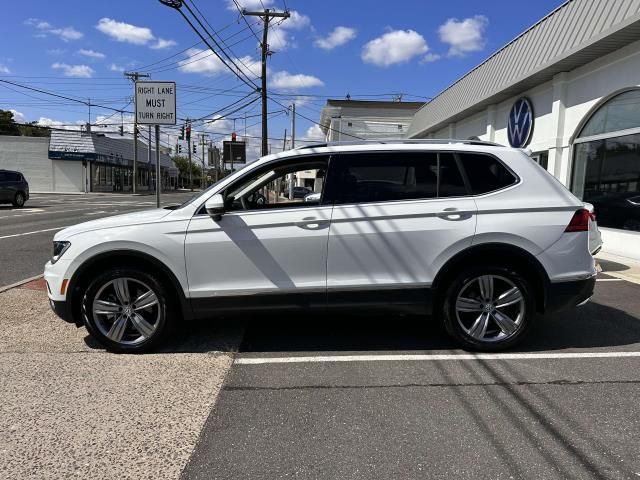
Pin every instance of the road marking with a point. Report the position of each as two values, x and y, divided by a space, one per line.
34 232
434 357
609 280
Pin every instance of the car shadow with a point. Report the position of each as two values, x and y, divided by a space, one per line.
591 326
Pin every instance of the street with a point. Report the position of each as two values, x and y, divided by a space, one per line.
26 234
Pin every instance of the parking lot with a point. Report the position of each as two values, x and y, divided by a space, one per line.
309 396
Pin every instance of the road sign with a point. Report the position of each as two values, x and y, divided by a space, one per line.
156 103
234 152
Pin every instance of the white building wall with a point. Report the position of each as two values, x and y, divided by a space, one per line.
30 156
560 108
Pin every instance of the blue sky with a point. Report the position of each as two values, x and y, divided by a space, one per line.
327 49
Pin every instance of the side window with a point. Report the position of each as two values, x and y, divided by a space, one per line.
284 185
485 173
379 177
3 177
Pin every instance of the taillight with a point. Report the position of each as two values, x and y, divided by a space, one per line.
579 222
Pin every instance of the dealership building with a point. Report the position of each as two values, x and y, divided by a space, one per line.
568 89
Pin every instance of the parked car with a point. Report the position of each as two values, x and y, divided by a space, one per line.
14 188
474 234
301 192
313 197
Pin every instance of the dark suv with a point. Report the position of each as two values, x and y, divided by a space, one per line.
14 188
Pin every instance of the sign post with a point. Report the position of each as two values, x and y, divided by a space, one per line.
156 105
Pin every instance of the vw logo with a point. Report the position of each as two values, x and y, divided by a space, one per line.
520 124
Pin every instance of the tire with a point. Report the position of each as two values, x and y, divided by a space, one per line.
478 323
18 200
112 317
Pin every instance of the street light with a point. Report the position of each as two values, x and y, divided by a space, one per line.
172 3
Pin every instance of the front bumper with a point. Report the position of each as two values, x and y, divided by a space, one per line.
565 295
63 310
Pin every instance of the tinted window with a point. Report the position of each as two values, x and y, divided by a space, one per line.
13 177
485 173
379 177
3 177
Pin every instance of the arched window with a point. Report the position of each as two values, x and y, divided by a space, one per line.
606 162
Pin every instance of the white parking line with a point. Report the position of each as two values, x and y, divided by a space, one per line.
434 357
34 232
609 280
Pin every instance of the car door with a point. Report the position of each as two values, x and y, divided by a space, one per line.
4 187
267 250
398 216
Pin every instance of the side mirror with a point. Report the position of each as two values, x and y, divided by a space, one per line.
215 206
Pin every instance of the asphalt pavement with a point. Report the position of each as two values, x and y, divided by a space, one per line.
405 403
26 233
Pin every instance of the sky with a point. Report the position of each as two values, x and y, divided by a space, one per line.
366 49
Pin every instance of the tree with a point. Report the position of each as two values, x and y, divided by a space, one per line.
7 125
182 164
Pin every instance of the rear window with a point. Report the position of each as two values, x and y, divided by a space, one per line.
485 173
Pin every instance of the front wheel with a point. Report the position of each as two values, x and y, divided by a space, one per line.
126 310
488 308
18 200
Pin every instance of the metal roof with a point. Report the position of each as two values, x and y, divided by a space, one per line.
576 33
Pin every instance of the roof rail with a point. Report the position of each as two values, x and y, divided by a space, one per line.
419 141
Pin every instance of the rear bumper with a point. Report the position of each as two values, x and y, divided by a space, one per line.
564 295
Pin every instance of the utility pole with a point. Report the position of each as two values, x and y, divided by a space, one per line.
189 150
204 180
266 17
134 77
149 155
293 145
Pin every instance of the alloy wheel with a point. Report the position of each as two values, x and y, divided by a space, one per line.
490 308
126 311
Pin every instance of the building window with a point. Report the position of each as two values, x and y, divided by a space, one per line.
606 162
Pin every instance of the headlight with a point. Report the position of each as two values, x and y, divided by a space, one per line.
58 250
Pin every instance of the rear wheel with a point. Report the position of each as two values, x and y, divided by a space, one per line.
488 308
127 310
18 200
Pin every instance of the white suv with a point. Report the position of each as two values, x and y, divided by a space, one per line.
476 234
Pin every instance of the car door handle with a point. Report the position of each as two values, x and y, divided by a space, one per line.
450 213
312 223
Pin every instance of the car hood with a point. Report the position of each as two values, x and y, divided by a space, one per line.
126 219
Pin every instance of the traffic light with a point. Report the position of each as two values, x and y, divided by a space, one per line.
195 148
188 132
179 148
233 137
121 130
181 137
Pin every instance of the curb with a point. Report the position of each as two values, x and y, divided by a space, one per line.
21 282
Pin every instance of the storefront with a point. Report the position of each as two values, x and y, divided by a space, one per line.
106 162
567 89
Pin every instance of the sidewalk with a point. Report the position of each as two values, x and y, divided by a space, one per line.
619 267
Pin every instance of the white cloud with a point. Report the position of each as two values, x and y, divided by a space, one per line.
249 4
397 46
218 124
48 122
91 53
65 33
287 81
206 63
79 71
430 57
126 32
116 68
162 43
17 116
464 36
4 68
337 37
314 134
280 37
56 51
